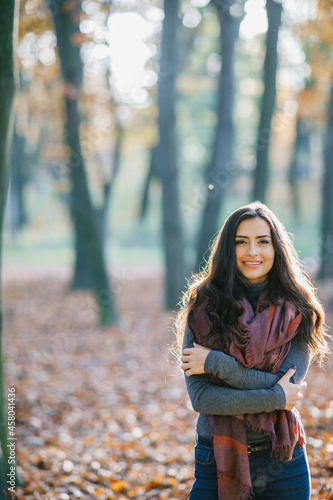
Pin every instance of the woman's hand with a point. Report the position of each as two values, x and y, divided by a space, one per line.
193 359
291 391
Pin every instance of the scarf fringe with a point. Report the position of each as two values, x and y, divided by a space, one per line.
271 435
277 449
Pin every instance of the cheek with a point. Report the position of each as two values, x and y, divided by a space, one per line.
271 257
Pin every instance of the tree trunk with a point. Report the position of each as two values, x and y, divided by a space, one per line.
274 12
152 173
17 180
218 175
172 225
82 278
326 268
299 165
83 211
8 37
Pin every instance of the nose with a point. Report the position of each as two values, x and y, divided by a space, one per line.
252 249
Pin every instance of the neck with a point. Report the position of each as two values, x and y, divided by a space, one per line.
260 285
254 292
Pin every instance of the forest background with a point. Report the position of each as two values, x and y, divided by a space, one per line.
137 127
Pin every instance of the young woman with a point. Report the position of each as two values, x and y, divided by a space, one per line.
249 325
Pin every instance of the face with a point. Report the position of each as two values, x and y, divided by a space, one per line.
254 249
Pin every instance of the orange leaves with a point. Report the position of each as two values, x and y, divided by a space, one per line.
103 414
317 416
159 481
156 482
118 486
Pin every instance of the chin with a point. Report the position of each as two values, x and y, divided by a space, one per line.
252 276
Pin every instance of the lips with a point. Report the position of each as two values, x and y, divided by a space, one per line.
252 264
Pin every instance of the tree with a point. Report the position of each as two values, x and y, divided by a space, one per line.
316 106
299 164
83 278
65 17
274 13
18 178
326 268
167 157
230 14
8 35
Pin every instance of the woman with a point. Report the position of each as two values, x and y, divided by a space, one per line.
247 320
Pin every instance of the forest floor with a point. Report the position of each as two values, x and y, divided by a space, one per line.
103 412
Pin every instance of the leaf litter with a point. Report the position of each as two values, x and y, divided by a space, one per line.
103 412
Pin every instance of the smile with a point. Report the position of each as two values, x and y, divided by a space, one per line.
252 264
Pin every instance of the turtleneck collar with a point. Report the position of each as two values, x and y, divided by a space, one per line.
255 291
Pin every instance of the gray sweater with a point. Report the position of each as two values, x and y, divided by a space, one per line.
252 391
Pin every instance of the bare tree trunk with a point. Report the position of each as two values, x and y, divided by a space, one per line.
167 155
152 173
299 165
185 46
18 178
82 278
326 268
217 175
274 12
8 37
64 14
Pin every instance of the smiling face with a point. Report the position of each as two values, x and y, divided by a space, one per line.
254 249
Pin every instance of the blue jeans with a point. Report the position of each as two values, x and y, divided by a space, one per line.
272 479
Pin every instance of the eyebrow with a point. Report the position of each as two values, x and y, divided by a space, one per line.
262 236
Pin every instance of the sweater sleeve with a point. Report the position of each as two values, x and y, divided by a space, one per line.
237 375
240 377
209 398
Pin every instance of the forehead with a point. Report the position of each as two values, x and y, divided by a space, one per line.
256 226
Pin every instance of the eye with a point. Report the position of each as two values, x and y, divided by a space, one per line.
240 242
265 242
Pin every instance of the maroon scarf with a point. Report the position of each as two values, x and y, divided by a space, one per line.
267 338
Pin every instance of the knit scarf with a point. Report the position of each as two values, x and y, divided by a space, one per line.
268 332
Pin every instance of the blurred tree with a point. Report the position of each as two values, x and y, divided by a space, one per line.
230 14
299 164
185 39
274 13
167 157
326 267
153 172
83 278
8 38
316 106
17 180
65 16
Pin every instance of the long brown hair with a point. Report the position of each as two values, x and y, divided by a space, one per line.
220 285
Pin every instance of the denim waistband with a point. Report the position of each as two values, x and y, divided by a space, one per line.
208 442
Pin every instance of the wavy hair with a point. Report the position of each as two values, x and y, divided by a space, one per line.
220 286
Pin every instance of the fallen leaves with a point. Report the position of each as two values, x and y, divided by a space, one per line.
101 412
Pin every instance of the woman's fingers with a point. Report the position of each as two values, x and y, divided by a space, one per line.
292 391
186 360
193 360
302 386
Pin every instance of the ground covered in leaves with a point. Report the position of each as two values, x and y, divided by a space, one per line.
102 412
